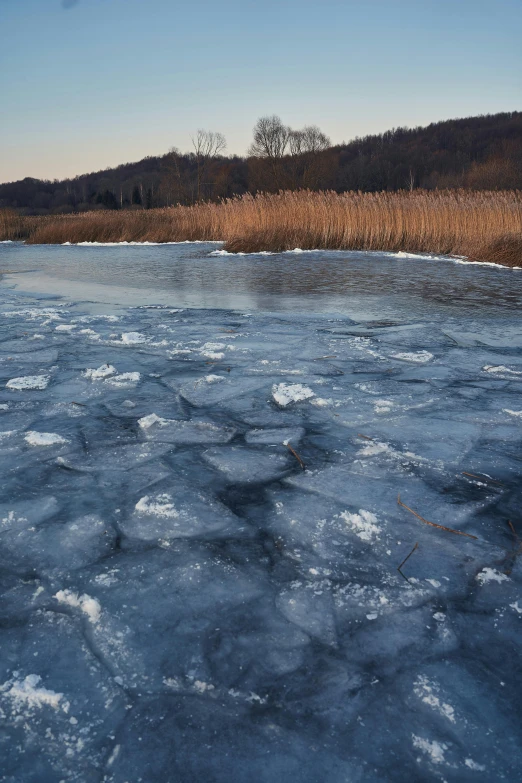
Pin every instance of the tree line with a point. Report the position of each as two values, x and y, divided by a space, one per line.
477 153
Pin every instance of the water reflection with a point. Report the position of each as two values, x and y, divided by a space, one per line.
375 285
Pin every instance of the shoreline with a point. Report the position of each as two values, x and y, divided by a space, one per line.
484 226
398 255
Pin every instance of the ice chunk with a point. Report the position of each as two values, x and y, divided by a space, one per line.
273 437
180 512
39 382
215 389
160 606
26 513
247 466
57 546
174 431
286 393
311 609
117 458
58 705
148 421
194 738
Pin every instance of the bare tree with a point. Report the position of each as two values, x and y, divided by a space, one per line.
304 164
270 138
207 145
314 140
309 139
296 142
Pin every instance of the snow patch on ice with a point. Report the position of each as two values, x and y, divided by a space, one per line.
286 393
146 242
147 421
491 575
435 750
383 406
162 506
25 694
518 414
44 438
500 370
419 357
133 338
11 520
102 372
89 606
215 355
320 402
27 382
124 379
376 448
473 764
364 524
426 691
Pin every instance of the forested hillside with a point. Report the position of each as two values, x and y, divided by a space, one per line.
477 153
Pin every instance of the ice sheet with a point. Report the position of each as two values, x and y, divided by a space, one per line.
200 535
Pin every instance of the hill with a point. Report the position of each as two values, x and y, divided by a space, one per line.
476 153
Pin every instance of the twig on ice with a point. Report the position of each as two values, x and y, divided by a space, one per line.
512 528
482 478
296 455
405 559
434 524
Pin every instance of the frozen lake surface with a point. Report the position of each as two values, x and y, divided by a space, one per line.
200 532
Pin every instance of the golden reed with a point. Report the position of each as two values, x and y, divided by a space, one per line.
482 225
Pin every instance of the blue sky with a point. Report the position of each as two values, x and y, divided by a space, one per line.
93 83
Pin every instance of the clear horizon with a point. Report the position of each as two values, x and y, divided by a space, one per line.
91 84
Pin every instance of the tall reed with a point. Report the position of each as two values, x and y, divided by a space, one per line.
485 226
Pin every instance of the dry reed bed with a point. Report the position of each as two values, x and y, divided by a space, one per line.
485 226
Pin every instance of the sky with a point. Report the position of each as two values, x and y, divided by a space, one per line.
89 84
